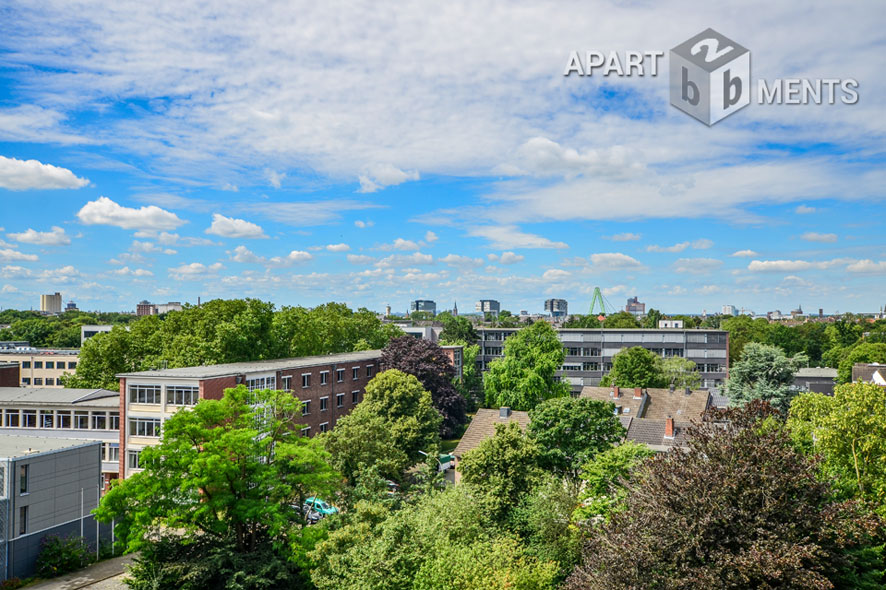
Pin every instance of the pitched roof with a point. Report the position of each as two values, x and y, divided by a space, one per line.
54 396
630 405
652 433
655 403
483 427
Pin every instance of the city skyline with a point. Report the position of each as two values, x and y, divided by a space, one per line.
269 154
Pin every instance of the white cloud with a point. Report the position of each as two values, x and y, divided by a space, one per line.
228 227
697 265
430 237
506 258
867 266
294 257
15 272
384 175
541 156
338 247
675 248
702 244
274 177
104 211
56 237
9 289
505 237
812 236
135 272
794 265
195 271
401 245
744 254
363 224
144 247
244 255
555 274
610 261
459 260
416 258
10 255
360 259
804 210
625 237
19 175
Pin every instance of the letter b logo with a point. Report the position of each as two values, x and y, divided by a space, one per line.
710 76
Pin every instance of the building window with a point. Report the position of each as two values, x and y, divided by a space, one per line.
368 371
133 459
356 372
324 427
114 421
38 381
306 380
306 431
29 418
26 380
63 419
46 419
81 420
144 394
287 383
12 418
26 364
144 427
72 365
355 397
51 381
324 377
23 473
99 421
50 364
340 375
23 520
112 452
182 395
306 407
261 383
340 400
38 364
324 404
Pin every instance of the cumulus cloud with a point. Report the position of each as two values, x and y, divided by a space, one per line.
383 175
555 274
794 265
244 255
700 244
360 259
363 224
135 272
19 175
294 257
697 265
506 237
459 260
55 237
338 247
104 211
228 227
10 255
274 177
416 258
744 254
401 244
610 261
812 236
195 271
430 237
506 258
625 237
804 210
867 266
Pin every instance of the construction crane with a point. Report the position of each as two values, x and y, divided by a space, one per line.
605 306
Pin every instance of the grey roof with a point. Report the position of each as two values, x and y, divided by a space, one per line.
483 426
652 433
227 369
7 365
54 396
41 351
825 372
17 447
718 400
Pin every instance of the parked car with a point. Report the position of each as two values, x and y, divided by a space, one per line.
314 509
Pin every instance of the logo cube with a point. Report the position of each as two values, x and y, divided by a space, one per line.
710 76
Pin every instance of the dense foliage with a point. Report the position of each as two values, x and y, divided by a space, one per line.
763 373
635 367
58 331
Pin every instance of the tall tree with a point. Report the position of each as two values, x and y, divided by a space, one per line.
865 352
457 329
571 431
622 320
635 367
603 493
764 373
740 508
526 374
582 321
680 372
427 361
652 318
395 421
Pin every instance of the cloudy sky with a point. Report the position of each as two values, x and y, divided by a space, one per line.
375 153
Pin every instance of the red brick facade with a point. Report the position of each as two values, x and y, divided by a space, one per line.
9 375
215 388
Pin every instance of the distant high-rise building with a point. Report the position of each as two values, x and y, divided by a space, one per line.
556 307
455 308
71 306
167 307
425 305
488 306
634 306
51 303
145 307
387 311
729 310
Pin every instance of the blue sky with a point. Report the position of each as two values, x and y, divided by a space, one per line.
306 153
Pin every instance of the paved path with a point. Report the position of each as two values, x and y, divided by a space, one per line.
105 575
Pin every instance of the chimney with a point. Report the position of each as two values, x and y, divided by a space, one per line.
615 392
688 391
638 392
504 412
669 427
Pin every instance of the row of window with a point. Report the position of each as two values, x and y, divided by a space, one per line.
306 431
581 351
65 419
176 395
145 427
49 364
324 402
40 381
324 377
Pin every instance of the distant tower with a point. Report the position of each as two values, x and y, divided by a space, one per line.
455 308
387 311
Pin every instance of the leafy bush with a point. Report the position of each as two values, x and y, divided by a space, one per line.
62 555
11 584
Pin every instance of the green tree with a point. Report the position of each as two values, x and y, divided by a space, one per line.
102 357
652 318
387 430
457 329
622 320
635 367
848 430
571 431
582 321
742 330
605 475
526 374
680 372
866 352
229 473
764 373
503 468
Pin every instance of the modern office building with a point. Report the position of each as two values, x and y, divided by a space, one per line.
51 303
51 412
328 386
589 351
49 486
558 308
423 305
678 324
488 306
145 307
88 331
729 310
71 306
42 367
635 307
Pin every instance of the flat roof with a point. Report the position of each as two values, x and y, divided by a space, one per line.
46 351
17 447
826 372
227 369
625 330
58 396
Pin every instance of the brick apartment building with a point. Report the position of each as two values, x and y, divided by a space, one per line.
329 387
8 374
41 367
